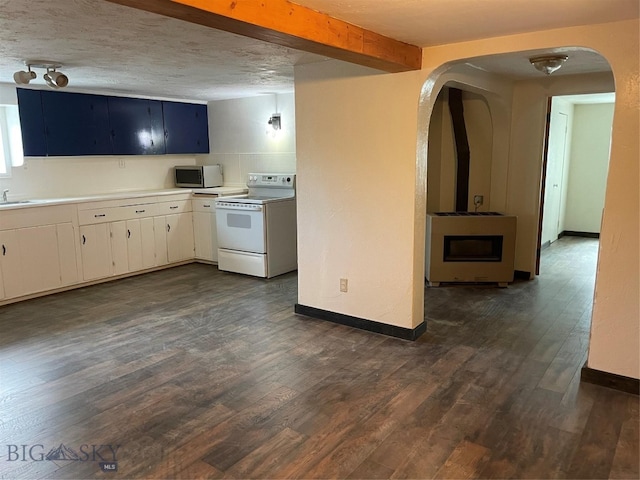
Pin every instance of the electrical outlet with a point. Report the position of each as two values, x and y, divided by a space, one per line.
478 200
344 285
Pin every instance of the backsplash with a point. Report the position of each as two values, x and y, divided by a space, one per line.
236 166
57 177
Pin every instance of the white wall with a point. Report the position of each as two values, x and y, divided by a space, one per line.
589 164
57 177
242 141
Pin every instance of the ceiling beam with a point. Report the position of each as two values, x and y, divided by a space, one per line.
290 25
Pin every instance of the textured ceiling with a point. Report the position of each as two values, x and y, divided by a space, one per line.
435 22
110 48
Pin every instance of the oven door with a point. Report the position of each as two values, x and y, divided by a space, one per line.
240 226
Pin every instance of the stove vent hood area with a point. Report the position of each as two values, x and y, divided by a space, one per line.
465 243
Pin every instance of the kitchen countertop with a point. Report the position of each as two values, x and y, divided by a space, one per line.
39 202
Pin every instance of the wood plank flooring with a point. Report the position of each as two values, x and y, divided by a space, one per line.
195 373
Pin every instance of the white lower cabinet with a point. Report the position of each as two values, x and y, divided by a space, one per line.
141 249
119 248
10 263
30 259
204 230
160 240
173 238
180 245
46 248
95 246
67 253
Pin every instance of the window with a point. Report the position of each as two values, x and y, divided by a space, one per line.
11 154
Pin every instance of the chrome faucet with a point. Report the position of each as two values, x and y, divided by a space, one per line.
4 195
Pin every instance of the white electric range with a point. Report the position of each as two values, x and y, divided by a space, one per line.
257 232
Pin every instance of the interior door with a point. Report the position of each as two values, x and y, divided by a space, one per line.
553 182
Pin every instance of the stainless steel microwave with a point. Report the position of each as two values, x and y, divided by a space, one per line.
198 176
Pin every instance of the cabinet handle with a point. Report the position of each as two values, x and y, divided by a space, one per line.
206 206
173 208
4 250
84 239
168 227
100 215
128 233
140 211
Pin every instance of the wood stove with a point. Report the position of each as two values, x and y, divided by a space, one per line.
470 247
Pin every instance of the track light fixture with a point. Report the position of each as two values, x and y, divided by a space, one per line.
548 64
52 77
55 79
23 78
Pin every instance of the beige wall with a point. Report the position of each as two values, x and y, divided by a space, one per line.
63 177
441 178
362 163
356 141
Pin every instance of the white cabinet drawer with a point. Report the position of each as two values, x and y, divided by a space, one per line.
140 211
204 205
114 214
169 208
100 215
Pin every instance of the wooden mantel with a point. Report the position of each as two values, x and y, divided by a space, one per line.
290 25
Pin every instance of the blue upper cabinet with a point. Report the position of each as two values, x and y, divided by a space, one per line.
76 124
136 126
186 127
34 142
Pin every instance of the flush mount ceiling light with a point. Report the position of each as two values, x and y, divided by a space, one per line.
274 121
548 64
52 77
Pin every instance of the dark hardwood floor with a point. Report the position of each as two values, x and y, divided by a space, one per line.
194 373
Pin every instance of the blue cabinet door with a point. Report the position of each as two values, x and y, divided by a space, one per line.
136 126
34 142
76 124
186 127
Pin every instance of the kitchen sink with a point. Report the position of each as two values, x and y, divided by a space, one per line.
16 202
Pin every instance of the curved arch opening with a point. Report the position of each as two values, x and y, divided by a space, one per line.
517 105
